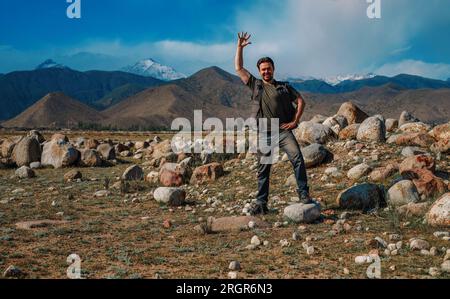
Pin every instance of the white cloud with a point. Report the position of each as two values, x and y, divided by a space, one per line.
305 37
416 67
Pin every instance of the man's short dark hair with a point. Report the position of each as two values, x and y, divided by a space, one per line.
265 59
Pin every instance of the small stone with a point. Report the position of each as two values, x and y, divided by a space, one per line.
266 243
167 223
441 234
419 244
251 247
101 193
395 237
310 250
392 247
13 272
251 224
255 241
433 271
72 175
232 275
433 251
284 243
25 172
394 252
424 252
446 266
234 266
296 236
346 271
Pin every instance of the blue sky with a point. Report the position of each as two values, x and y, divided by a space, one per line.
305 37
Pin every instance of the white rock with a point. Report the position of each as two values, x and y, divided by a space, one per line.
234 266
255 240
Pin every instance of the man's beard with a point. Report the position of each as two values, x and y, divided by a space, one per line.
268 78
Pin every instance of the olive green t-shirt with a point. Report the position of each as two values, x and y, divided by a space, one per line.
277 100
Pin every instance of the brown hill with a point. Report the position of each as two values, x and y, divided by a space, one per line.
214 91
429 105
53 111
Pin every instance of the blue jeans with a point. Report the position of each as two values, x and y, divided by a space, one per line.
288 144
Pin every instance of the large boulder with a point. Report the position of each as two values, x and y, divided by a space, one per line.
59 153
372 129
91 143
362 197
27 150
410 151
162 149
133 173
414 139
416 127
59 137
90 158
439 214
314 154
106 151
352 113
310 133
441 146
8 146
407 117
380 174
174 175
301 213
141 145
402 193
171 196
391 124
358 171
441 132
37 135
349 132
426 182
25 172
416 162
207 173
336 123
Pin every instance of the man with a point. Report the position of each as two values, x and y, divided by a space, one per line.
274 100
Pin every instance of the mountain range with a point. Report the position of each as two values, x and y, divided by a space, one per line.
19 90
151 68
124 100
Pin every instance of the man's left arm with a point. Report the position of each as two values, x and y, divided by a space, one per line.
298 114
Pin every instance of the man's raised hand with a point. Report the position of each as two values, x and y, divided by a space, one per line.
243 39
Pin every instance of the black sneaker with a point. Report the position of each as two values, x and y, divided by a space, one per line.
258 209
306 199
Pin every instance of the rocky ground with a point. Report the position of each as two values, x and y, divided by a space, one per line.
131 208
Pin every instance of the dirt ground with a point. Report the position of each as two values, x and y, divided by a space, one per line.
123 236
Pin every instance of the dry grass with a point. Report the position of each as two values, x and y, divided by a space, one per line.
114 242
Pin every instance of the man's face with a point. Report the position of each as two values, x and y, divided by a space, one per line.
266 70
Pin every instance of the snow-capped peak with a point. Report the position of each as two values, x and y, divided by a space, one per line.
151 68
50 63
341 78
